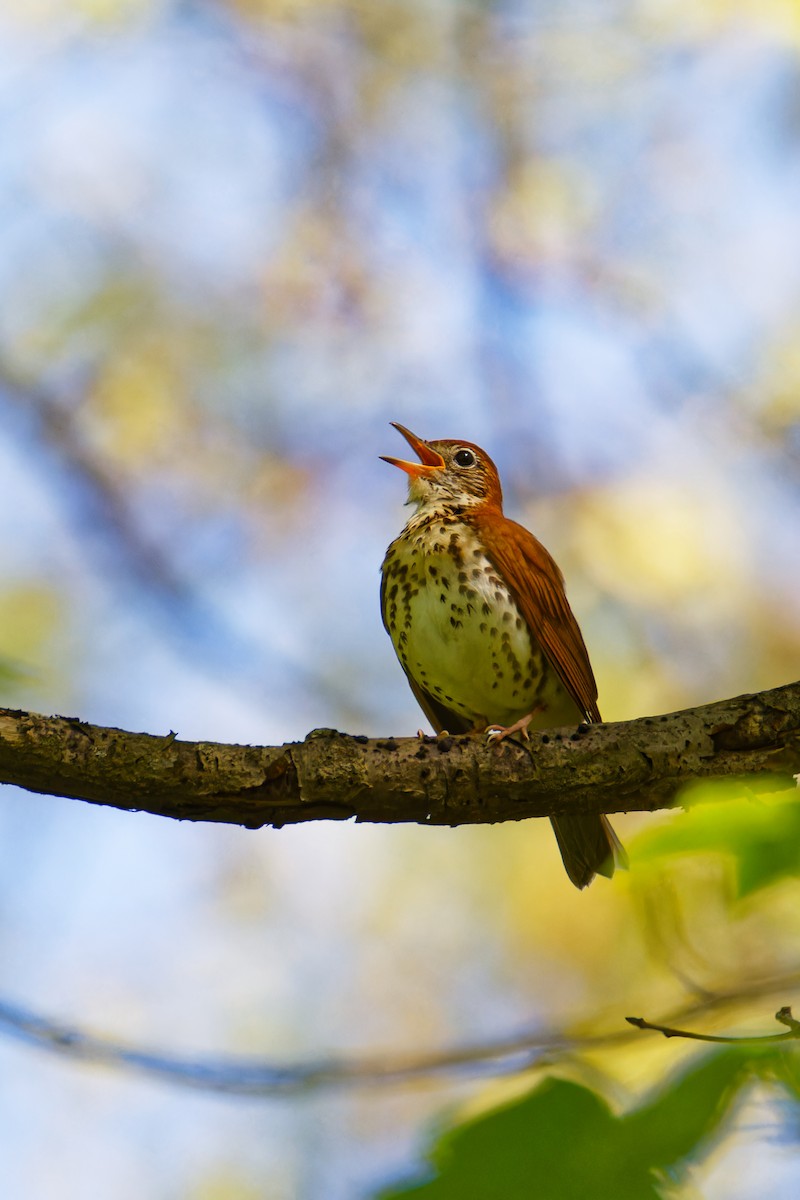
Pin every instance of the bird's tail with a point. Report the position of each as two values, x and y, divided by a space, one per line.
588 847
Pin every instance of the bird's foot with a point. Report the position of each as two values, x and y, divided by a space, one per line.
497 733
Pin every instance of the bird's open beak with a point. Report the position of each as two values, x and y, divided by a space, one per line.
430 460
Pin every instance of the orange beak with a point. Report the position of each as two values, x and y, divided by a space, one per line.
430 460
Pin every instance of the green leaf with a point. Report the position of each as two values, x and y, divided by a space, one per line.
760 834
683 1116
563 1141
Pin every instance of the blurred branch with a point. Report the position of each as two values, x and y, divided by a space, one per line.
108 526
784 1015
259 1077
103 502
632 765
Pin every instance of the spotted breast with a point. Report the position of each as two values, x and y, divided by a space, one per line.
459 633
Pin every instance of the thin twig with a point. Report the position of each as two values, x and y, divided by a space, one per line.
784 1015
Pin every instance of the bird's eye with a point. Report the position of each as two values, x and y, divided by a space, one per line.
465 458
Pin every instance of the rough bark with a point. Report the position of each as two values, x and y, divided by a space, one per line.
631 765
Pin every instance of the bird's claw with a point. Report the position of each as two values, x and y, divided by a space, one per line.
497 733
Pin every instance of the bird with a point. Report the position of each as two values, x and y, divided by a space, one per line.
478 615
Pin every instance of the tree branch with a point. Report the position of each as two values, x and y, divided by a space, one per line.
631 765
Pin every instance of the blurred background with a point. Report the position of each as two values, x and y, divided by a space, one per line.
236 240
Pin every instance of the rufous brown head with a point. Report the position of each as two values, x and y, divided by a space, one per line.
449 472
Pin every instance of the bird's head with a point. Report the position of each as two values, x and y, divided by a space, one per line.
449 473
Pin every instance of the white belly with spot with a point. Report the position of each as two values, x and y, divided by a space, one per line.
459 634
481 665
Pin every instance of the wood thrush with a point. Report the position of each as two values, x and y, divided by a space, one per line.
479 619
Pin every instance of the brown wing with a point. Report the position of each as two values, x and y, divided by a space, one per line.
538 588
